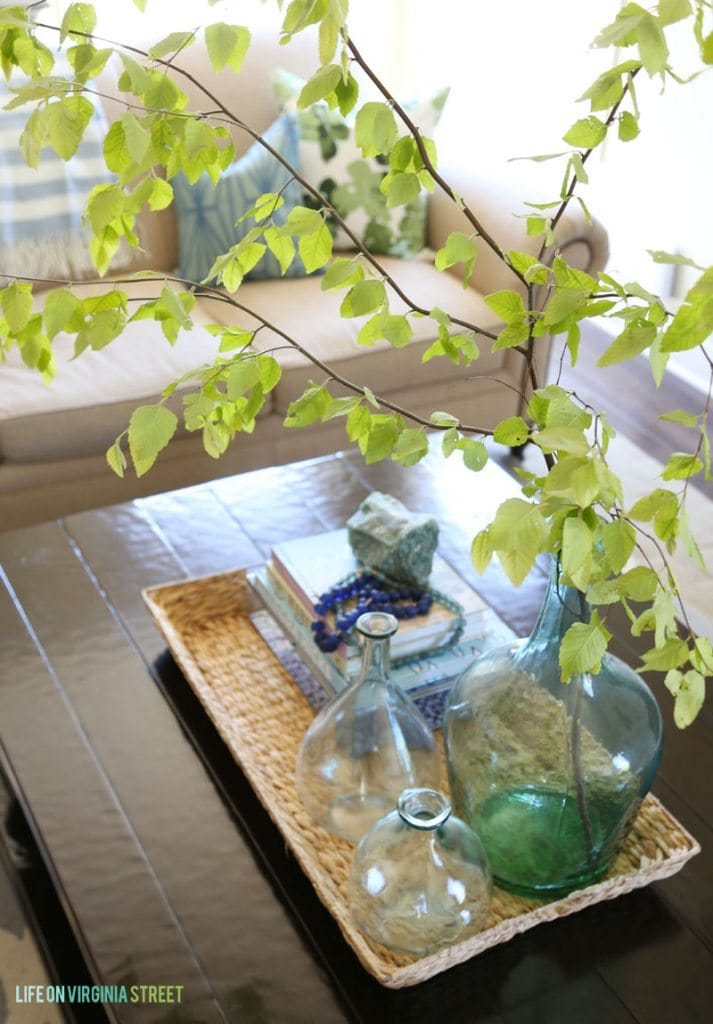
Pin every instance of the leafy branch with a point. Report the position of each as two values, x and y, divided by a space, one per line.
575 507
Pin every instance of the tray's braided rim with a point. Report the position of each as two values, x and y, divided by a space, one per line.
207 626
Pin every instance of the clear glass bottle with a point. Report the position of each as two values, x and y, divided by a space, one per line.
366 745
420 878
550 774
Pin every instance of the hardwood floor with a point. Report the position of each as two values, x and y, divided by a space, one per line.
633 402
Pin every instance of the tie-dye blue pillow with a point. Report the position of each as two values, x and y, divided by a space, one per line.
207 214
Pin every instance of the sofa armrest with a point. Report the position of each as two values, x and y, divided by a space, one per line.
583 244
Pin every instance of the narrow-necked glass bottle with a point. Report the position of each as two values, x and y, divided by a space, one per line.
420 878
367 745
550 774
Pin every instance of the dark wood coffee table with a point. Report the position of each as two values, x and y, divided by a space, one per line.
145 854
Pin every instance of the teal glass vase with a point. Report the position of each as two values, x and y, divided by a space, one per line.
367 745
550 774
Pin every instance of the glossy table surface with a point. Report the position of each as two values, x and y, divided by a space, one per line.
154 863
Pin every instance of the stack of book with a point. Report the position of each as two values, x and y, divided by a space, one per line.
302 570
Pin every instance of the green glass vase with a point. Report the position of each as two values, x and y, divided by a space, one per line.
550 774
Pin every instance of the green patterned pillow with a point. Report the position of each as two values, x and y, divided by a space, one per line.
331 160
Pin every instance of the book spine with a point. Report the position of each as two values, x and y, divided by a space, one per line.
343 655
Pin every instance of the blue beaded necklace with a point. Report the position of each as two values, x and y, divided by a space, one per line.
366 591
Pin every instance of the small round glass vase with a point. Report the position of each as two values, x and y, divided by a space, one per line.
420 879
550 774
366 745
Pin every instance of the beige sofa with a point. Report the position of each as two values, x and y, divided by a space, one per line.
53 440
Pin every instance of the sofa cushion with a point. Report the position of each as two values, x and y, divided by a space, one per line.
41 208
91 400
331 159
209 216
311 317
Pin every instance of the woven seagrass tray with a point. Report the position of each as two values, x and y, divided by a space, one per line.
262 716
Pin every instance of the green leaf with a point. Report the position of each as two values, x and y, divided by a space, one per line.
639 583
576 552
227 45
375 129
66 121
562 305
302 221
608 88
342 407
481 551
321 84
653 49
511 336
586 133
583 647
689 698
79 18
59 307
518 534
628 126
459 248
693 322
383 435
681 466
105 205
660 256
529 266
411 447
619 539
173 43
450 441
671 11
328 38
688 419
341 272
16 302
136 137
347 93
475 454
315 249
508 305
162 93
397 330
672 654
281 247
512 431
561 439
242 376
707 49
574 478
536 226
444 419
135 78
647 507
364 297
234 337
151 427
309 407
400 188
34 136
116 459
636 336
702 655
265 206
